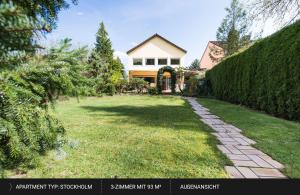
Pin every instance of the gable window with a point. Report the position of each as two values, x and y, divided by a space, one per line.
150 61
162 61
137 61
175 61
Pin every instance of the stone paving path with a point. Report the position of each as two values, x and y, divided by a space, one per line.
248 161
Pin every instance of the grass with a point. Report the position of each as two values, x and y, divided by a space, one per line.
277 137
133 137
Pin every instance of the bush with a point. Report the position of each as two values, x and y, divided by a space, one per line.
27 128
192 86
204 88
111 89
153 91
122 86
138 84
266 76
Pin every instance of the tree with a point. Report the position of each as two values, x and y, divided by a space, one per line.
232 42
283 12
43 10
100 71
95 62
118 66
234 28
103 44
22 21
27 128
195 65
106 70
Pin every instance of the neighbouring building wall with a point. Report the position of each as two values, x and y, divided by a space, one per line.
206 63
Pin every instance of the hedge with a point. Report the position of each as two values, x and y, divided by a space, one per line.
265 77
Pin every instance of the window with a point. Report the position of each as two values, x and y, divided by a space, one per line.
150 61
137 61
162 61
175 61
149 79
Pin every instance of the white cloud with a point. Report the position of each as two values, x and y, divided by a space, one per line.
79 13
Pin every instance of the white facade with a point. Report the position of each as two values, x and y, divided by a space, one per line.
158 49
151 55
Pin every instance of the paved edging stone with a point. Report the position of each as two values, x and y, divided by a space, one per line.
248 161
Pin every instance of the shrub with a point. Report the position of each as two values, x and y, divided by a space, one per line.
266 76
110 89
27 128
138 84
153 91
204 88
192 86
122 86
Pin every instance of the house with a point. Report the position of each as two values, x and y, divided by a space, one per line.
213 54
148 57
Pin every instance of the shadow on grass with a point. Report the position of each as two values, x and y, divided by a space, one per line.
165 116
175 118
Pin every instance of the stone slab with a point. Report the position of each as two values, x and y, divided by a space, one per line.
237 156
253 151
233 172
245 147
229 143
223 149
246 172
260 161
235 135
209 116
250 141
241 141
272 162
265 172
249 162
244 163
233 149
224 135
226 139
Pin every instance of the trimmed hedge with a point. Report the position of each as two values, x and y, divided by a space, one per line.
265 77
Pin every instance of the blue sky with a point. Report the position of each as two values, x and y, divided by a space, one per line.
187 23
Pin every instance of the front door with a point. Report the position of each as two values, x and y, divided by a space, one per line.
166 83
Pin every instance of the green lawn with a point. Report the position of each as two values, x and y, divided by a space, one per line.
133 136
277 137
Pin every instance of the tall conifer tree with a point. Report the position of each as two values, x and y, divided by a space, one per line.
104 67
103 45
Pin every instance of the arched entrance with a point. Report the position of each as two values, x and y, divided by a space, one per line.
166 79
166 85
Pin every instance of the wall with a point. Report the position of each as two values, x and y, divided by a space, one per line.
206 62
155 48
